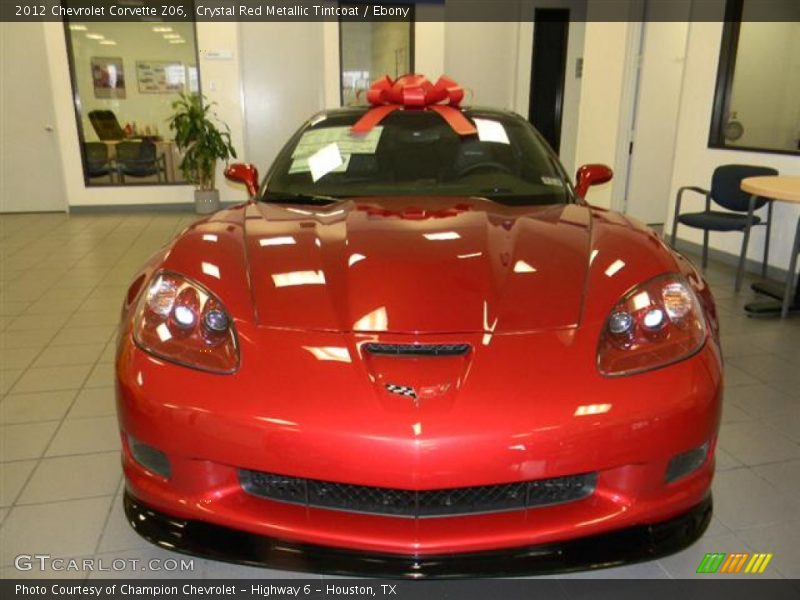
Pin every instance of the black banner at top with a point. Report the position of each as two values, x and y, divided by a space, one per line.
394 10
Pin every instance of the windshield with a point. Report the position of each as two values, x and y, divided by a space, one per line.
416 153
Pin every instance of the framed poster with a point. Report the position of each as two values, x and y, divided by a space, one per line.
108 77
160 76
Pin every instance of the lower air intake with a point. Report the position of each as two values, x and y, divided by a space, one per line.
418 504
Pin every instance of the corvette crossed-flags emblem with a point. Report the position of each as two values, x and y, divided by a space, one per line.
401 390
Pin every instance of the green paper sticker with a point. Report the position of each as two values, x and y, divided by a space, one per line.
314 140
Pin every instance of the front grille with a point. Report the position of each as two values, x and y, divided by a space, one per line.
417 349
427 503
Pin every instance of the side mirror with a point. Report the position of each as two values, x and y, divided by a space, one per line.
589 175
244 173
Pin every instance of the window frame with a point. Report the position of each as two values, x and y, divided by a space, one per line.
724 83
78 111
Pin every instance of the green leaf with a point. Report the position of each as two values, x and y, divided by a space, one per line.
197 135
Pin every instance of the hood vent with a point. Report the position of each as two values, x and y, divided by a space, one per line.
414 350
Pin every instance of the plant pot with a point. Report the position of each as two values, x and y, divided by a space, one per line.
206 201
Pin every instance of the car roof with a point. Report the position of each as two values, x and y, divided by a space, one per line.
357 111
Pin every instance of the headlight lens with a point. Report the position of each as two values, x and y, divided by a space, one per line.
658 323
180 321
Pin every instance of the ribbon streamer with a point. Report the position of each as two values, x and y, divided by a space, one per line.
415 92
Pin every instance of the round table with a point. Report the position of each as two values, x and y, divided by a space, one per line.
781 188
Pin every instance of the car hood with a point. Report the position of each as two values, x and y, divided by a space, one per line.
417 265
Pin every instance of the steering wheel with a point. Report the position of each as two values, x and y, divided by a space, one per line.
489 164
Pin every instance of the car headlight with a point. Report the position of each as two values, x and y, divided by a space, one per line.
180 321
656 324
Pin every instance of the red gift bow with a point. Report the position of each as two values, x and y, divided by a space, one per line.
415 92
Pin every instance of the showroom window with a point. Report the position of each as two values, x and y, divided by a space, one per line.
756 104
371 49
125 77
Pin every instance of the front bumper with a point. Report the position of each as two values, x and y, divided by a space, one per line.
289 412
613 549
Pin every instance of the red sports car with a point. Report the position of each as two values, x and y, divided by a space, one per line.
417 351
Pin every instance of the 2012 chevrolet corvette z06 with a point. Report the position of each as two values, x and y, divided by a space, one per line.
417 351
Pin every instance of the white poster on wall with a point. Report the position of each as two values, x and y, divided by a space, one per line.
160 77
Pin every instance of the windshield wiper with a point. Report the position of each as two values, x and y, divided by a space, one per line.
300 198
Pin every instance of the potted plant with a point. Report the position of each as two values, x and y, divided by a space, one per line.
203 139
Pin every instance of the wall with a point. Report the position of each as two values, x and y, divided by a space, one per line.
330 42
695 162
29 140
220 83
482 57
429 44
657 108
280 89
602 106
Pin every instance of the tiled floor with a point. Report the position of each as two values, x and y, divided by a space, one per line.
61 282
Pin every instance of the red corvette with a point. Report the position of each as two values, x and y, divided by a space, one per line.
417 352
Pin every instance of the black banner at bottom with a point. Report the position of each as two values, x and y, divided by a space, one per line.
317 589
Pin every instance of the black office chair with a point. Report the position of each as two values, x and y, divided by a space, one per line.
727 193
140 159
97 160
106 125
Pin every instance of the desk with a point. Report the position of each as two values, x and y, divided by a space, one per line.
171 159
785 296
